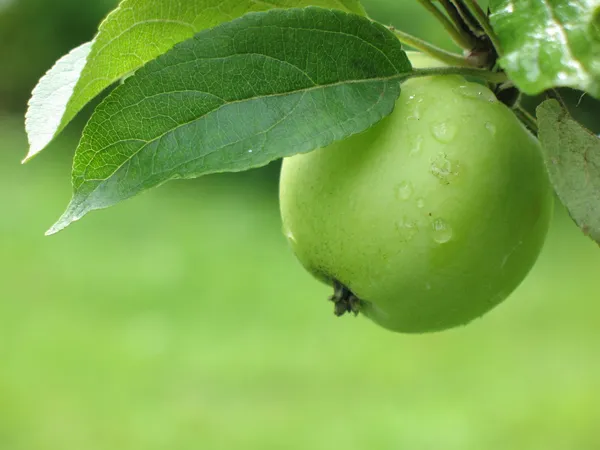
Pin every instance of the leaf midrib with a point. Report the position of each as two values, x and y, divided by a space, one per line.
279 94
100 181
98 53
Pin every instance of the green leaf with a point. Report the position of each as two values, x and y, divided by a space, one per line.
50 96
572 156
549 43
265 86
133 34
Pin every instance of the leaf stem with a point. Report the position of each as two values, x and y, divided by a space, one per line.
450 58
528 120
462 39
492 77
484 22
468 18
455 16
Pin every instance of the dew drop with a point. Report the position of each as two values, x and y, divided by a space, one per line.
420 203
404 190
406 228
291 238
416 115
491 128
442 232
443 168
250 151
417 145
444 132
413 108
475 91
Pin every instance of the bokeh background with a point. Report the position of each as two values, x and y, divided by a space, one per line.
180 319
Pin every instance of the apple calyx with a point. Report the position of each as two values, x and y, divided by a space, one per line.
344 300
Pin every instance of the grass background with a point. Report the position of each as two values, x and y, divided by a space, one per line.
180 320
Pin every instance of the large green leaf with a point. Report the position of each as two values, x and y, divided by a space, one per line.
133 34
572 156
549 43
238 96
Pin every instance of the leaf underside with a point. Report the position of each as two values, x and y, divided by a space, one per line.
572 156
262 87
549 43
133 34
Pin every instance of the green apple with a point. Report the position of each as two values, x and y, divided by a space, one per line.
430 218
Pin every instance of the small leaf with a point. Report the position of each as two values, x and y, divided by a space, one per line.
572 156
265 86
133 34
54 90
549 43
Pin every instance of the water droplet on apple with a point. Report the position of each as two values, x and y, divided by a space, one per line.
442 232
491 128
443 168
406 228
416 115
291 238
404 190
412 108
417 145
444 132
475 91
420 203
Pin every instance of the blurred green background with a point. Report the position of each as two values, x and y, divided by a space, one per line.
180 319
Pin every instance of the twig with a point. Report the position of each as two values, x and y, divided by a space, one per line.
462 39
484 22
454 15
468 18
528 120
452 59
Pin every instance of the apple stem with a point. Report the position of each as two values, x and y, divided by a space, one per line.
462 16
460 37
344 300
484 22
450 58
527 119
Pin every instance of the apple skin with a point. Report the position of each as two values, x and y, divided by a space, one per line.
432 217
